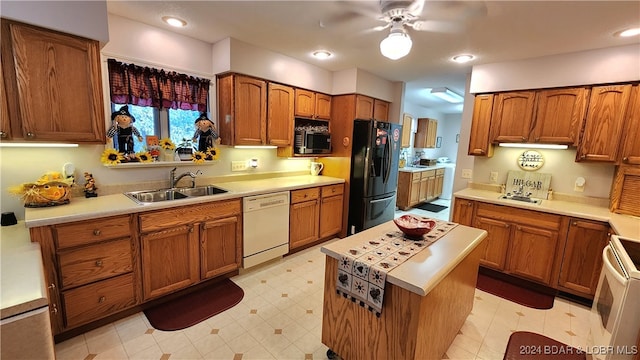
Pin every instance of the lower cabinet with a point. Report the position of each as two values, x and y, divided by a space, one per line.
185 245
314 214
498 233
463 211
418 186
582 257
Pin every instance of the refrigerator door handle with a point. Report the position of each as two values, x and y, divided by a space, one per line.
381 200
387 166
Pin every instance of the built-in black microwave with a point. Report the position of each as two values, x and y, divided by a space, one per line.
312 142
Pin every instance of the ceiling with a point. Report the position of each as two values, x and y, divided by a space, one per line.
493 31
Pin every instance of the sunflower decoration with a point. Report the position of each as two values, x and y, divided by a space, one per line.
213 153
144 156
198 157
167 144
111 157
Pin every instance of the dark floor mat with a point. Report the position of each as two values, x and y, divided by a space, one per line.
192 308
431 207
524 345
520 294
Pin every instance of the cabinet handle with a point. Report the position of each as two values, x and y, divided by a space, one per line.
506 225
625 159
583 156
3 134
55 309
191 229
51 286
575 223
102 299
98 262
524 138
469 204
30 135
97 232
537 139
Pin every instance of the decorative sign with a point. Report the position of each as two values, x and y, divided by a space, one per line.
530 160
537 184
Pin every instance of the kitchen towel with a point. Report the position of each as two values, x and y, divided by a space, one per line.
362 271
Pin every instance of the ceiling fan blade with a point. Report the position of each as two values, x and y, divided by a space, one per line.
416 8
436 26
381 27
454 10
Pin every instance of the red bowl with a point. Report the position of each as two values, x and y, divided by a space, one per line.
414 226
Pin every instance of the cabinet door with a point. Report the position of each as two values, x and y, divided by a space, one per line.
582 259
404 190
220 246
280 115
5 124
495 254
424 189
303 223
416 191
431 187
364 107
407 121
439 185
462 212
380 110
532 253
323 106
425 136
56 86
330 216
511 117
630 146
170 260
305 103
559 116
603 126
250 111
479 143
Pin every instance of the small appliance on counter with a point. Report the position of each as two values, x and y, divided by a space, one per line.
428 162
443 160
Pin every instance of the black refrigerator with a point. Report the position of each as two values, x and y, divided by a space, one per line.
374 173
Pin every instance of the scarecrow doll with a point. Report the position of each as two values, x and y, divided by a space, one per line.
122 127
206 133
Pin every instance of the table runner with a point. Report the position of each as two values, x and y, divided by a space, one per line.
362 271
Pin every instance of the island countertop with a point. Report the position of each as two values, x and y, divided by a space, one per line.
423 271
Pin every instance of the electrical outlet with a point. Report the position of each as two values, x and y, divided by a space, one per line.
238 165
467 173
493 177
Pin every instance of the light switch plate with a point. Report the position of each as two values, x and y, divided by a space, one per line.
494 177
238 165
467 173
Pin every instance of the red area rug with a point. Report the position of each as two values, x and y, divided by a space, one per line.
192 308
524 345
518 291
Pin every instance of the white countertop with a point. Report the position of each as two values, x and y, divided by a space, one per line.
81 208
21 272
422 168
423 271
624 225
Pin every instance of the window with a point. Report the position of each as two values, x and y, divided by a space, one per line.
147 123
182 124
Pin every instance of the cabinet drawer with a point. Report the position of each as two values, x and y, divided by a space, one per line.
304 195
521 216
96 262
439 171
98 300
87 232
415 176
157 220
332 190
428 174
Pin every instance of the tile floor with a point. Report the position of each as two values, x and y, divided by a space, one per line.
280 318
441 215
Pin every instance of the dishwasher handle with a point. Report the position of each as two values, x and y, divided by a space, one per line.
262 202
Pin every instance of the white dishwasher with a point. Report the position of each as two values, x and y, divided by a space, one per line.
265 226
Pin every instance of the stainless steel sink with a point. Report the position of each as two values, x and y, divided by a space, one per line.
521 198
152 196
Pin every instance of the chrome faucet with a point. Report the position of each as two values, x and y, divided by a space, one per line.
173 180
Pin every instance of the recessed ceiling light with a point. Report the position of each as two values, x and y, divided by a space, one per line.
321 54
174 21
629 32
462 58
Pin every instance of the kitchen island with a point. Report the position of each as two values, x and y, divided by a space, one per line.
426 300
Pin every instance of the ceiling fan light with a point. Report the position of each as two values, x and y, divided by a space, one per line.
396 45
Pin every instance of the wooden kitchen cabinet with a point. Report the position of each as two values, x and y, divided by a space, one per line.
182 246
582 257
5 123
630 146
280 115
315 214
91 269
604 123
418 186
559 115
511 116
242 110
368 108
52 86
625 198
479 142
439 183
313 105
380 110
427 185
463 211
426 133
532 239
407 121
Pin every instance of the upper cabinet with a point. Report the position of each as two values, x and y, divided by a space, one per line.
407 121
512 115
630 146
280 115
370 108
604 123
425 136
559 116
51 85
479 143
242 110
309 104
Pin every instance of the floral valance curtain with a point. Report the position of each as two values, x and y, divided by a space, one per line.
144 86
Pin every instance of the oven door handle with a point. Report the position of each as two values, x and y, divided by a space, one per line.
611 268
